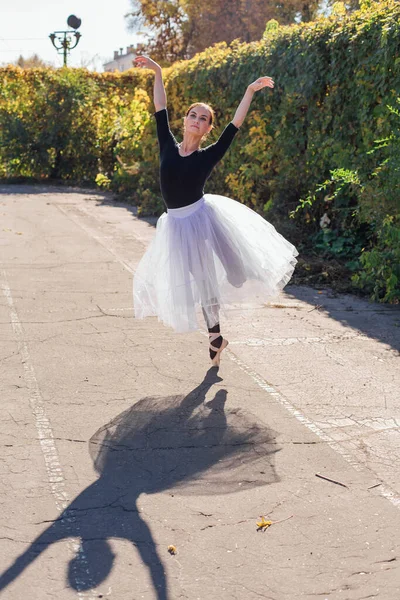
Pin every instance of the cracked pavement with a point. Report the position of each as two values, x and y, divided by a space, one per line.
118 440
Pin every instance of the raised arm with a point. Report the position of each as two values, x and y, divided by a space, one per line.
244 105
159 95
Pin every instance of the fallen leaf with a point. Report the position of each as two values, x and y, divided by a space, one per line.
263 524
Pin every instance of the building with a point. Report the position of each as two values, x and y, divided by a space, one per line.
121 61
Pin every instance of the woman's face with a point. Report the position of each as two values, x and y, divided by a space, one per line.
197 121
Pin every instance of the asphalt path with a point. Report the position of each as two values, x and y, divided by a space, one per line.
119 442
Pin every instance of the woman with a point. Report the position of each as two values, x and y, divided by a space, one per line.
208 250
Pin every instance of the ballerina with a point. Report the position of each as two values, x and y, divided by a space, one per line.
208 250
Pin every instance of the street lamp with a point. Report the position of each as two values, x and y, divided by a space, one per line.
64 38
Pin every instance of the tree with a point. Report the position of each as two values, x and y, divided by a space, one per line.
221 21
178 29
166 25
33 62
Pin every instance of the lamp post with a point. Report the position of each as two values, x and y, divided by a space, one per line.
64 38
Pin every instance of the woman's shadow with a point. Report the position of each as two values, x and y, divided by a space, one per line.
175 442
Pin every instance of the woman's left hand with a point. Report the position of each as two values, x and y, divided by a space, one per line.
261 83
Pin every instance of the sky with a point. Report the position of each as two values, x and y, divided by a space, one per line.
25 26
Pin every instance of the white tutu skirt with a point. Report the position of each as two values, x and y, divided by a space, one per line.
212 254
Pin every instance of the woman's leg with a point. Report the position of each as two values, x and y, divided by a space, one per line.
205 278
211 316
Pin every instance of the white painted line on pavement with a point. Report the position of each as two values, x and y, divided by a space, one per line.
55 474
384 490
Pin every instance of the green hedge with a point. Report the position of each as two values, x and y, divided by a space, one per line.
66 123
335 79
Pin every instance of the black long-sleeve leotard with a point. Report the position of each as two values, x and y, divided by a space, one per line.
182 178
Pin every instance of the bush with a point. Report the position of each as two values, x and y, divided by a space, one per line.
380 210
380 273
63 124
359 220
334 77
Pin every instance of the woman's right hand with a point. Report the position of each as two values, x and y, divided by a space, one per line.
145 62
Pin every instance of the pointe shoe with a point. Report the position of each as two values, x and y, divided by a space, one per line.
217 358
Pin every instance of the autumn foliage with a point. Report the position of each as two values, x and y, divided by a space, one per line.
178 29
335 79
